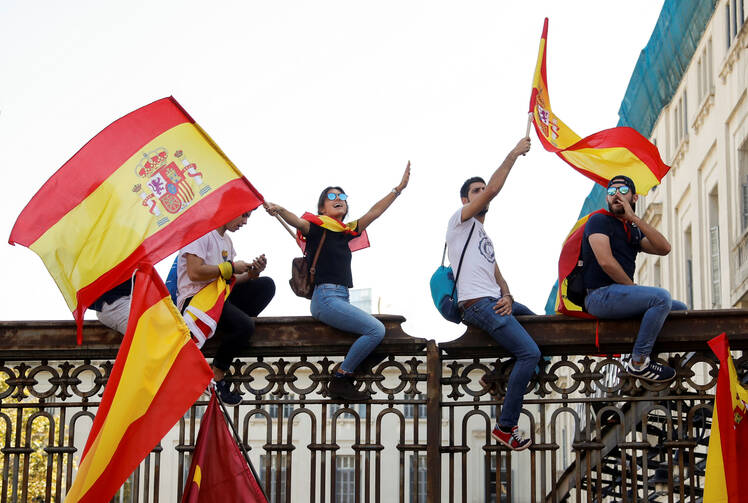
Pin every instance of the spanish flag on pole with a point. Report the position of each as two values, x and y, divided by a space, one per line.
600 156
727 457
150 183
158 374
218 471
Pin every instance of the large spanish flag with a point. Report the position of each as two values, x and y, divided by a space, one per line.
218 471
150 183
727 458
600 156
158 374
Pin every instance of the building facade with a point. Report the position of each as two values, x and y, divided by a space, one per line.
702 204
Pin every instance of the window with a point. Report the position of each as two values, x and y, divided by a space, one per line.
704 67
689 267
743 170
287 407
714 248
680 118
409 409
277 461
735 15
417 479
345 482
491 476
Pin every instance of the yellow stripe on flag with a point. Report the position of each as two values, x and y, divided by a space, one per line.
612 161
119 215
159 337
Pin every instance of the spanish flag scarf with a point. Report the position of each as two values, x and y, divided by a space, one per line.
360 241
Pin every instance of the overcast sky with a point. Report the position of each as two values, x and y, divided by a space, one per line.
301 95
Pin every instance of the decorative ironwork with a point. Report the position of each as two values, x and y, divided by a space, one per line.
598 434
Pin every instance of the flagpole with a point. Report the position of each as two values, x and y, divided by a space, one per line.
529 121
285 225
240 444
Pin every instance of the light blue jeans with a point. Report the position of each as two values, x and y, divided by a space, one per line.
510 335
331 306
629 301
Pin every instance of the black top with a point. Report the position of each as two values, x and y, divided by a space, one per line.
625 243
119 291
334 262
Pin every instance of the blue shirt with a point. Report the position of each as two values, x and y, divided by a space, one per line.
625 243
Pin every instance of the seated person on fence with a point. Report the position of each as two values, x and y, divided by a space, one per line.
202 262
483 294
113 307
609 248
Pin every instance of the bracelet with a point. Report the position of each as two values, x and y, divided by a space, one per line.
226 269
395 191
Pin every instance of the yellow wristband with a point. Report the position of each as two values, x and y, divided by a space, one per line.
226 270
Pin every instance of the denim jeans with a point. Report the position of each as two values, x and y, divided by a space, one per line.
628 301
331 306
510 335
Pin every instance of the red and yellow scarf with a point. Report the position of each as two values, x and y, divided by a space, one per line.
334 225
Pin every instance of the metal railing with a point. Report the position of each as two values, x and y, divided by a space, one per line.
598 435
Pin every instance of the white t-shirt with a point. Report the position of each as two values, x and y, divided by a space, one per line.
213 249
477 274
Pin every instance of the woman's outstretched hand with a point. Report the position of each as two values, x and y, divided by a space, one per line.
406 178
271 208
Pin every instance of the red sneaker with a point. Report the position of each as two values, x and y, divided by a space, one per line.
512 439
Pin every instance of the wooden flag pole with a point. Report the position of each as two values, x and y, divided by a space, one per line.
285 225
529 122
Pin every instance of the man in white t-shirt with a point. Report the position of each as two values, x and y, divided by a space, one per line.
483 295
199 264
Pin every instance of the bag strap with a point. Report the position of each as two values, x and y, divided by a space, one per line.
459 266
313 267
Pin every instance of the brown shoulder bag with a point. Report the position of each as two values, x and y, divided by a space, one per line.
302 275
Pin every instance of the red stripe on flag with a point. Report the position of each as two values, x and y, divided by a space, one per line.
181 387
92 164
227 202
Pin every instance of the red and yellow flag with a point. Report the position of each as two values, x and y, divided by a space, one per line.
205 308
600 156
150 183
158 374
570 255
219 472
727 461
360 242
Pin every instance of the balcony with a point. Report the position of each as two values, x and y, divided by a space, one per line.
597 436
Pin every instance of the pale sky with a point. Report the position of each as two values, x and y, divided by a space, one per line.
302 95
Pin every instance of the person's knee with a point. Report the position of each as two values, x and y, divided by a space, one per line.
267 287
377 331
662 298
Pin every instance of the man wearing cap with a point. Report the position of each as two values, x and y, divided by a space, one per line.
609 247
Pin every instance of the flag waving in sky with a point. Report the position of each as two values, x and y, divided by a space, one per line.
219 472
600 156
148 184
157 376
727 461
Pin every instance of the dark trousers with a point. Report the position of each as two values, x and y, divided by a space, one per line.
236 325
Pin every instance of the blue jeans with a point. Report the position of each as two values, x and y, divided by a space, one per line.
628 301
331 306
510 335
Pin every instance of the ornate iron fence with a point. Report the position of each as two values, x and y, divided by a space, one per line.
597 434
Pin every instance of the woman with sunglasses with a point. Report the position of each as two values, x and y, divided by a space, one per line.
330 301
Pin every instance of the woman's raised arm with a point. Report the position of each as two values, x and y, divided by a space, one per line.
379 208
287 216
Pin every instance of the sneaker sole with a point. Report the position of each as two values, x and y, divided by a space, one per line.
517 449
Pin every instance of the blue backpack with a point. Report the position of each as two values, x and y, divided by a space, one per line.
444 286
171 281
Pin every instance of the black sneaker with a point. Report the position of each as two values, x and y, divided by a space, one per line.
341 388
227 396
650 371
